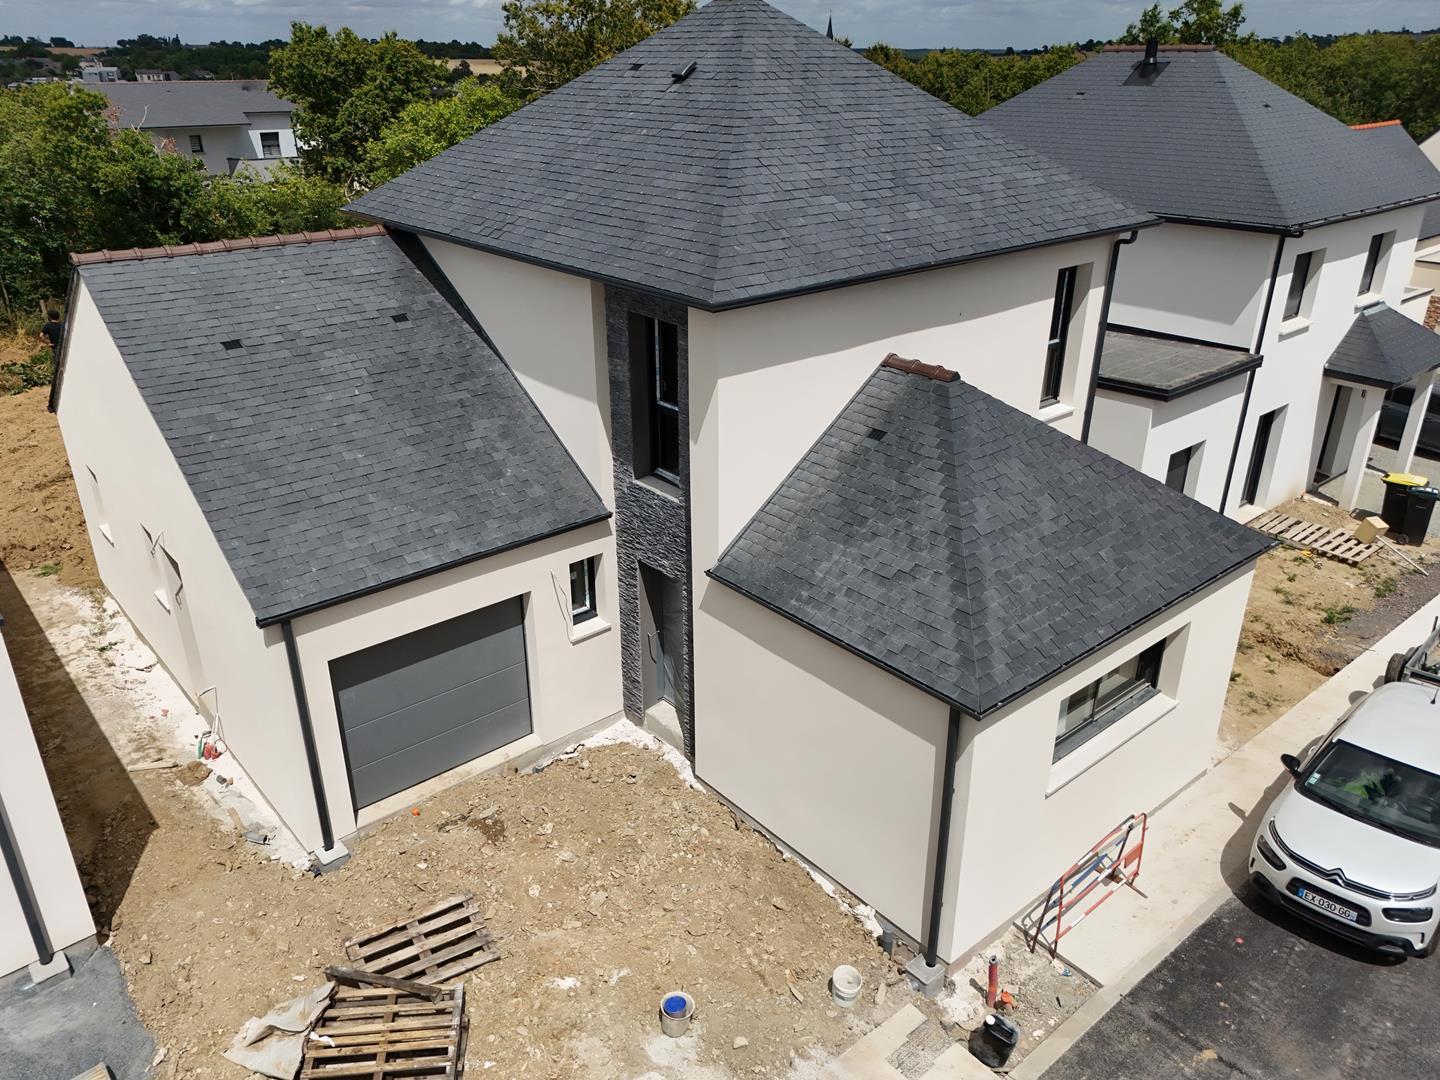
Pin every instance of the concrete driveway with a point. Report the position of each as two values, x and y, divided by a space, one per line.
1256 993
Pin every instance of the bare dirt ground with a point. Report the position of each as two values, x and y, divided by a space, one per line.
1309 616
41 525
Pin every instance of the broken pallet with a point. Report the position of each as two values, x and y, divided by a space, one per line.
438 945
1332 543
387 1034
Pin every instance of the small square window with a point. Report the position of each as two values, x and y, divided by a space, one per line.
582 590
197 144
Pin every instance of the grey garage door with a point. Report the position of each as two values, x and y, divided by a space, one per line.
412 707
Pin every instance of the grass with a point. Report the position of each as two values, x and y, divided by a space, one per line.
1341 614
33 364
1285 595
1386 586
50 569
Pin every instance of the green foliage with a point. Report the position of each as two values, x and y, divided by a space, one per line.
345 90
1340 614
223 59
34 369
556 40
425 128
975 81
50 569
1195 22
248 204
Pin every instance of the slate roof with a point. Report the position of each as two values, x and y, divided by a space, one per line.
1155 366
784 163
1208 140
208 103
1393 136
972 550
1384 348
333 449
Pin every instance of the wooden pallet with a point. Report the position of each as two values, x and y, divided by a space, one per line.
437 946
386 1035
1333 543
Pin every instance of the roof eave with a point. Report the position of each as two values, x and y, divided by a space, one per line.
1161 393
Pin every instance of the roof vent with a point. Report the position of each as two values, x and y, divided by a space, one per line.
683 73
636 66
875 434
1152 52
402 317
231 345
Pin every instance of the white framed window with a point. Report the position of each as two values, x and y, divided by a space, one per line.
583 604
269 144
1093 708
197 144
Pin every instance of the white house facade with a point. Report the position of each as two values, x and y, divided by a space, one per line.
795 475
225 125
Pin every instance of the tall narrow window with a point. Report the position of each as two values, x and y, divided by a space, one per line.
1259 455
1056 346
269 144
1378 244
657 447
1299 283
197 144
582 590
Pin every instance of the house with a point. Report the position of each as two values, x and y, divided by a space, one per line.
43 910
225 125
1422 301
797 357
154 75
1287 244
92 71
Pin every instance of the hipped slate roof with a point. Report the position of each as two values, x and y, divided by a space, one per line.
1392 136
1208 140
968 548
340 424
191 104
1384 348
783 163
1165 368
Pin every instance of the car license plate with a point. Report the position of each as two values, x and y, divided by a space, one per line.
1324 903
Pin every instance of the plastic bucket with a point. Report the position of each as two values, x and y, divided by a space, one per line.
845 984
676 1009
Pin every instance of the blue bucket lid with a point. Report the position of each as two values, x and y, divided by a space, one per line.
674 1005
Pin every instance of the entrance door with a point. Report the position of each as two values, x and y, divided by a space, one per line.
1334 427
662 629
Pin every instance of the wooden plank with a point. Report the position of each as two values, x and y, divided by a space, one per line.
410 1038
447 911
349 974
434 962
469 963
389 961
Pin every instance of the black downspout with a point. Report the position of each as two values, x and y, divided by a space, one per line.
1250 378
21 880
1100 333
307 733
942 836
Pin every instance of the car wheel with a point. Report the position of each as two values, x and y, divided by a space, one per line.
1395 670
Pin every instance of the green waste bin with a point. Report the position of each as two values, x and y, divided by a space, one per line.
1396 504
1419 506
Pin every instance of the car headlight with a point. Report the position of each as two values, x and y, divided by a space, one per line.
1268 853
1408 914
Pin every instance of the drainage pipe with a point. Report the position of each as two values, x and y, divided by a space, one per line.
1100 332
28 905
942 835
307 734
1250 377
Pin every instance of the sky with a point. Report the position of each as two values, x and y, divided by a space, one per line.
904 23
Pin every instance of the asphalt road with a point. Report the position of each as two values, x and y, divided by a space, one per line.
1256 993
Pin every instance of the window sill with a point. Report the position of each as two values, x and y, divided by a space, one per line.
584 631
1056 412
1368 300
1291 327
1104 743
162 599
660 486
104 530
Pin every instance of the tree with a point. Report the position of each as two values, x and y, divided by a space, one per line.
1154 25
248 204
975 81
425 128
556 40
345 90
1195 22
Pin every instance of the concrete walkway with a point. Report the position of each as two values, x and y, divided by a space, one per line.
869 1058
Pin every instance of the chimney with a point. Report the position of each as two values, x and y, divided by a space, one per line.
1152 52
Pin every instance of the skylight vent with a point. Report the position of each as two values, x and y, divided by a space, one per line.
682 73
232 344
636 66
401 317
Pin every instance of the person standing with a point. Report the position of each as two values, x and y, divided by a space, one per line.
53 330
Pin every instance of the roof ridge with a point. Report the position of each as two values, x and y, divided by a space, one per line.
211 247
1175 48
1253 139
915 367
1374 124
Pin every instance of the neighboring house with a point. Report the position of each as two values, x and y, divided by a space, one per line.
42 903
877 600
1422 301
1287 237
92 71
225 125
154 75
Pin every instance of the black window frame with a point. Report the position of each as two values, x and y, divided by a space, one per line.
1186 458
197 144
1062 314
588 606
1143 686
1300 276
1259 452
662 399
1372 263
265 150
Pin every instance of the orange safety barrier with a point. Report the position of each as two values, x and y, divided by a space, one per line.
1110 865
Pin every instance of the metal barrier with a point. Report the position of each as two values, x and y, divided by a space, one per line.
1112 864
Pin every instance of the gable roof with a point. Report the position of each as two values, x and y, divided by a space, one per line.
209 103
968 548
335 447
1156 366
784 163
1207 140
1384 348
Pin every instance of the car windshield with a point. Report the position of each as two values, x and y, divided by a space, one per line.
1377 790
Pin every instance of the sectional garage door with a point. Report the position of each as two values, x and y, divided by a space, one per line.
412 707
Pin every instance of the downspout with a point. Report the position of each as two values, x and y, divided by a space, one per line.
1100 333
1250 378
21 881
307 733
942 836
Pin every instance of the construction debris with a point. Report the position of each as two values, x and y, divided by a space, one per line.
274 1044
1332 543
370 978
382 1034
436 946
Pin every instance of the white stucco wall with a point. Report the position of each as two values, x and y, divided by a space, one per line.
572 682
29 807
1143 433
1026 820
550 329
276 122
222 144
